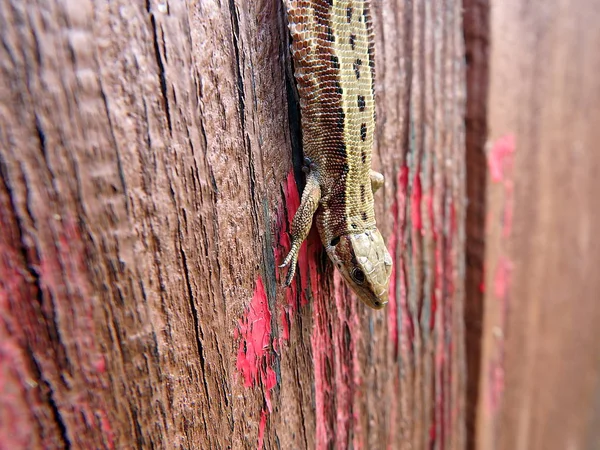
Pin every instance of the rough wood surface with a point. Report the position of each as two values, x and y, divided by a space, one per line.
540 371
146 193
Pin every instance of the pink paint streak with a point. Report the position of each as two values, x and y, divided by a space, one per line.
107 430
496 385
398 212
336 329
322 349
439 258
500 157
415 201
502 278
500 161
395 304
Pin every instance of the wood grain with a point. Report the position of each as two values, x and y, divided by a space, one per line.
540 371
146 192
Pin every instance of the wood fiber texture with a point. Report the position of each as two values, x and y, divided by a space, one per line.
540 372
146 192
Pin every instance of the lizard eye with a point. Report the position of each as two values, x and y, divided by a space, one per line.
358 275
335 241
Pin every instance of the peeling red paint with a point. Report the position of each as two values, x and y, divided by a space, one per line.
255 329
255 361
255 357
261 429
501 154
269 382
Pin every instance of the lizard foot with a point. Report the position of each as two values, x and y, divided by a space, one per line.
291 259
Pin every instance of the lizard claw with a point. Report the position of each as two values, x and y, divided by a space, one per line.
289 277
291 259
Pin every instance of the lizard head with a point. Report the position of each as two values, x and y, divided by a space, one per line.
365 264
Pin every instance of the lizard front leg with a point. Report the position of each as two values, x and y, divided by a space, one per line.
376 180
302 223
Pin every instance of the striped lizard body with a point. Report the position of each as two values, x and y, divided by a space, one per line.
333 54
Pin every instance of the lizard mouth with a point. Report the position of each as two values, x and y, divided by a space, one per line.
375 301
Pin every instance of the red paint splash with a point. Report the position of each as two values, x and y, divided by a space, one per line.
255 329
255 357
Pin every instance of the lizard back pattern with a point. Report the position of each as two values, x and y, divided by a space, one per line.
333 53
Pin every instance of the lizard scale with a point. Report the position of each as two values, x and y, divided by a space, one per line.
334 63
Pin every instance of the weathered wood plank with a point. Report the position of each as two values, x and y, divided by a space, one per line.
541 352
146 191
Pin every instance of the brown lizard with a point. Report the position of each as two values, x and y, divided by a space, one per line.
333 54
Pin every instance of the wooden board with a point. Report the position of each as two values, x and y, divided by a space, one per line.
147 186
540 385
